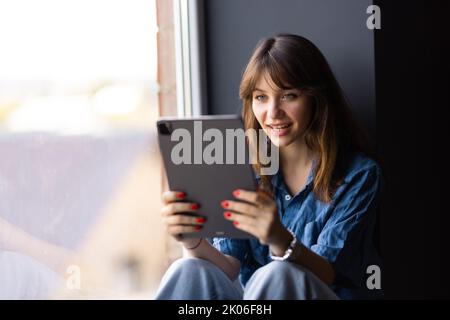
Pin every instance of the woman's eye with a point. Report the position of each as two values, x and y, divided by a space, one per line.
289 96
259 97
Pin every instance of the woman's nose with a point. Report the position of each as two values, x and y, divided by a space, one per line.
274 111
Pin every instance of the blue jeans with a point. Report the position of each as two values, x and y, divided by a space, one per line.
198 279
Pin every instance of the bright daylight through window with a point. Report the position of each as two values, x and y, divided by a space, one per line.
79 176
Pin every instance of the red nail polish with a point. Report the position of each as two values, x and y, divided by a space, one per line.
194 206
235 223
180 195
200 220
236 193
224 204
227 214
198 227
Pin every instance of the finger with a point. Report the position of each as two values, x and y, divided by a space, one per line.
171 196
178 207
259 198
249 196
182 219
237 218
246 227
177 230
240 207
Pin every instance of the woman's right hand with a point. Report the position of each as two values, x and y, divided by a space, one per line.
175 219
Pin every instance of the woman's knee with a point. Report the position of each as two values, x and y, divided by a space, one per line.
193 263
193 278
286 280
276 269
190 266
276 273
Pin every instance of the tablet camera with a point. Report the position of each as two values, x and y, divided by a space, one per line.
164 128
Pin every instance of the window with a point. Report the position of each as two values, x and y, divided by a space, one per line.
79 179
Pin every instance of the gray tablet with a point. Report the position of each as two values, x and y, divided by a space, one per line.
203 157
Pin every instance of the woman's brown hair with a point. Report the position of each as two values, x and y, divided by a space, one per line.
292 61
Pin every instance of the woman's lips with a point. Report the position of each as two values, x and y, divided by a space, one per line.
279 130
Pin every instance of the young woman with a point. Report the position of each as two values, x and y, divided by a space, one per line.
314 222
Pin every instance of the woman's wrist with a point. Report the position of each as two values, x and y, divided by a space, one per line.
192 245
281 241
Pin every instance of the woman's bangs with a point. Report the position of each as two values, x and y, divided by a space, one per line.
250 79
276 71
280 75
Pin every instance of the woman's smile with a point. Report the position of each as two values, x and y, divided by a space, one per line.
279 129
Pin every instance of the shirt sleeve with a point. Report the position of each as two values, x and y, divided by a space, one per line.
346 240
237 248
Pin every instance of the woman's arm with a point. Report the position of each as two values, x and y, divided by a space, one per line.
303 256
228 264
177 223
259 217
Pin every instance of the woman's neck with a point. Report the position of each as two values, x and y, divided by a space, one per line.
296 156
296 163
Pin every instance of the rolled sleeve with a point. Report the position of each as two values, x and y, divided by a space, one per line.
237 248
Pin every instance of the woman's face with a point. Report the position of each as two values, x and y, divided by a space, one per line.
284 115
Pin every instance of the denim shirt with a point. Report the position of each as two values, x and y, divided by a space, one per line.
340 231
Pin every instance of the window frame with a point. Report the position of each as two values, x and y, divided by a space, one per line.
190 57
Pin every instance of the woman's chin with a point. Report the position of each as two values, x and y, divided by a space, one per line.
280 142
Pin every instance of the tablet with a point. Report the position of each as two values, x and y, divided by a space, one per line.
203 157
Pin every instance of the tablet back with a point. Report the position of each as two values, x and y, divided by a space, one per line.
195 166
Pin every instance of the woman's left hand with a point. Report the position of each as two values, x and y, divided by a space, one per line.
259 216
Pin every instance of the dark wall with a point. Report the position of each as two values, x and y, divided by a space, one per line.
412 91
338 28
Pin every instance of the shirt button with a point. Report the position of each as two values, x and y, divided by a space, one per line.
287 197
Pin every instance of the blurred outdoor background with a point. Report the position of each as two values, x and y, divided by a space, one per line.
80 176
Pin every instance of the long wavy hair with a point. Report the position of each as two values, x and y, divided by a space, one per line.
292 61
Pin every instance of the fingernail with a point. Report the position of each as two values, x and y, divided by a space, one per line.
235 223
180 195
227 214
194 206
198 227
224 204
236 193
200 220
